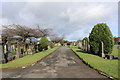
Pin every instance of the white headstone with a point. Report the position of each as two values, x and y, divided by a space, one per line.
102 50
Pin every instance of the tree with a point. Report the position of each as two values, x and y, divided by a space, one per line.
24 32
55 38
43 44
101 32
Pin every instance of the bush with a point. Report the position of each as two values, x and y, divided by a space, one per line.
101 32
62 43
43 44
68 43
52 45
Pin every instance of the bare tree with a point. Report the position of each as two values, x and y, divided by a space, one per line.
22 31
55 38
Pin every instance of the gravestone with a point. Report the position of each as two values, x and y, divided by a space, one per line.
58 44
55 44
88 47
34 48
19 55
102 50
2 60
85 45
10 56
111 57
49 47
37 46
26 48
74 44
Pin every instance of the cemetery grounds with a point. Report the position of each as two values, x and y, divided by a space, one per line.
109 67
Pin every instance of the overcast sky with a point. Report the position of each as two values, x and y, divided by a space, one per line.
75 20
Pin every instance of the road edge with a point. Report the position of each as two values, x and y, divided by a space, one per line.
101 73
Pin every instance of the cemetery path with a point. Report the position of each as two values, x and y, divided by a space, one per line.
63 63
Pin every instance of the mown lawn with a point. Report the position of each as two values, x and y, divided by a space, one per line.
109 67
27 60
115 51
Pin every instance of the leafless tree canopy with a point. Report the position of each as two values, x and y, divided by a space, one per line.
56 38
22 31
19 32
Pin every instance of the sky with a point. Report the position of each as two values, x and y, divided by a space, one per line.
75 20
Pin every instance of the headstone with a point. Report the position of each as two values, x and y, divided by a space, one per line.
30 48
102 50
18 55
58 44
111 57
80 45
12 48
55 44
10 56
2 60
37 47
48 46
34 48
85 45
88 47
74 43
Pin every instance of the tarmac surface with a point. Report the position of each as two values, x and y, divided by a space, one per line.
63 63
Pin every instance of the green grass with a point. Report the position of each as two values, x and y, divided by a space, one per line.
109 67
13 53
74 46
27 60
115 51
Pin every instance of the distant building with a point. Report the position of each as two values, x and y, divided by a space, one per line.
116 40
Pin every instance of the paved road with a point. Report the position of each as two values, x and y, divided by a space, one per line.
63 63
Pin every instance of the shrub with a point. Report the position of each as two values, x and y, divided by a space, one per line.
68 43
52 45
62 43
43 44
101 32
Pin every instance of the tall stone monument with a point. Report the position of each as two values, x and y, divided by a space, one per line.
102 50
19 55
1 51
10 56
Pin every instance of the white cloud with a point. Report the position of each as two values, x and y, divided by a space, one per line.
75 20
88 14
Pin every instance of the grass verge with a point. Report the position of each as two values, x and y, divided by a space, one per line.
115 51
109 67
27 60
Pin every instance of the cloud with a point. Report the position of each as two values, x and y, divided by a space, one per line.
75 20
